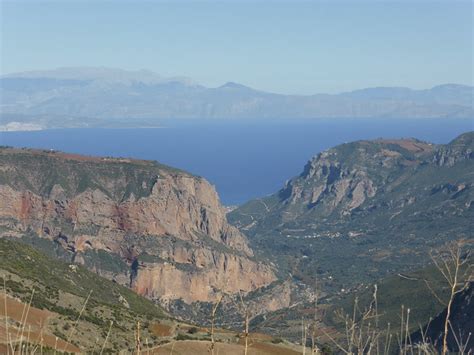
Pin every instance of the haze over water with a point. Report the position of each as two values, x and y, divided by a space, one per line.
243 159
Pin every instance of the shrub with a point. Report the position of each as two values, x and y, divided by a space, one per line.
192 330
182 336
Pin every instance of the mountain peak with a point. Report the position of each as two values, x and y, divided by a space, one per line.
234 85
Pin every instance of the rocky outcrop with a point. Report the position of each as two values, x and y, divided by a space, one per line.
337 182
365 208
325 181
359 178
165 227
167 281
462 148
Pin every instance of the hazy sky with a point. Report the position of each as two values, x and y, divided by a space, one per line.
290 47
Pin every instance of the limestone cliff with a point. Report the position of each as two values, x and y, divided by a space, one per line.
336 183
343 178
160 230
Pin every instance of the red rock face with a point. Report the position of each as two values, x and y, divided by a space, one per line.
179 224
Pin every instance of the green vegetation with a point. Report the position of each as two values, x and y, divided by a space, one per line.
30 264
101 260
66 288
415 197
413 290
117 178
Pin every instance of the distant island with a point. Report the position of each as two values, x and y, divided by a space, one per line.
104 97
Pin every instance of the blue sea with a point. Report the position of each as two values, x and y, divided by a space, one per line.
243 160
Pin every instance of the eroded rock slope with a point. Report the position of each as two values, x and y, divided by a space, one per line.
159 230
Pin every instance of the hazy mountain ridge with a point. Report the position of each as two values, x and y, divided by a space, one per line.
101 97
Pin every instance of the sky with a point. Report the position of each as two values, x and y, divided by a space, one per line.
294 47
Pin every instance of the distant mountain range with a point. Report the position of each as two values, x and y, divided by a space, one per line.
103 97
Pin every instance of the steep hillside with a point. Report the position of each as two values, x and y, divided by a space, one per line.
75 310
365 209
421 291
61 290
425 292
158 230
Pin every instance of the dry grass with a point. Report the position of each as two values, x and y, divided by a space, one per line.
410 145
35 339
162 330
202 348
35 317
27 325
